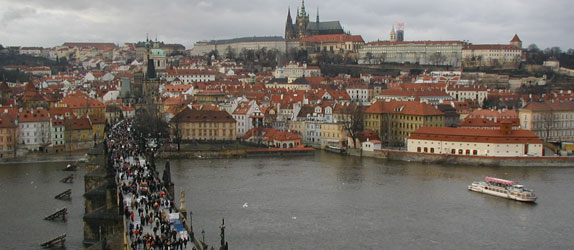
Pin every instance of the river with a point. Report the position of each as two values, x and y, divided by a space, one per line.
325 201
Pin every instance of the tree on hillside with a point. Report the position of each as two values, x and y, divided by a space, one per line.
229 53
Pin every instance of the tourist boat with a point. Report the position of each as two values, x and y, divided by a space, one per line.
334 149
503 188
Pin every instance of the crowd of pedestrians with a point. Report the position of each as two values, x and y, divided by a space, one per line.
146 204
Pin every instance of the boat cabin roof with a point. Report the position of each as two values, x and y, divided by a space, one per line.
500 181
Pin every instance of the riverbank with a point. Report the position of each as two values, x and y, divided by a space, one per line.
526 161
79 155
234 153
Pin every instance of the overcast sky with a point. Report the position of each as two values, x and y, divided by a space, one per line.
49 23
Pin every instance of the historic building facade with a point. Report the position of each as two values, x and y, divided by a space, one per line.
394 121
494 55
303 27
476 142
417 52
553 121
192 124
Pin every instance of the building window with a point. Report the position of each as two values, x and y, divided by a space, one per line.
419 149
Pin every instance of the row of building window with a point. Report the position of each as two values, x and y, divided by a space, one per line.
207 132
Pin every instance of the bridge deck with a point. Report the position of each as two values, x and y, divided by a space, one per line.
150 214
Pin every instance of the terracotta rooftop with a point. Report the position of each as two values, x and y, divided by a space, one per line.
474 135
193 115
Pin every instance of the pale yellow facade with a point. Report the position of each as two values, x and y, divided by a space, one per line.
333 134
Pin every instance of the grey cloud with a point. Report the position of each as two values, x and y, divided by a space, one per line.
10 15
545 23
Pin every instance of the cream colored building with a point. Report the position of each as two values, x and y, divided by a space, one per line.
417 52
238 44
477 93
475 142
493 54
333 134
552 121
296 70
192 124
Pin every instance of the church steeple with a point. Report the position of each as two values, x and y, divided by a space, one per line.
317 14
303 13
289 31
393 35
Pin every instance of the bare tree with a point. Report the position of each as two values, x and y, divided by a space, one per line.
176 133
548 123
353 120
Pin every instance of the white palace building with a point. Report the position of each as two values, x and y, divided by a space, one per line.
476 142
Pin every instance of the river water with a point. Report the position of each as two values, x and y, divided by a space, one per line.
325 201
27 196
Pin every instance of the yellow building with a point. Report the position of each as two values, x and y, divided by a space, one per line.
81 104
209 96
192 124
394 121
297 127
78 133
553 121
8 136
98 127
333 134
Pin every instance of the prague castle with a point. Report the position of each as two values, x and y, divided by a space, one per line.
304 28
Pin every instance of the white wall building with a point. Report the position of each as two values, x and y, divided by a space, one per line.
475 142
421 52
468 92
188 76
35 128
296 70
244 115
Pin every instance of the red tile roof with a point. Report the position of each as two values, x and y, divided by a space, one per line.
34 115
403 107
78 124
99 46
474 135
417 42
193 115
492 47
7 121
549 105
333 38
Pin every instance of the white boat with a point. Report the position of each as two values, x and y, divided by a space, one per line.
334 149
503 188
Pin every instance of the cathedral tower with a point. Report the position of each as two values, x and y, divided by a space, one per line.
289 31
302 21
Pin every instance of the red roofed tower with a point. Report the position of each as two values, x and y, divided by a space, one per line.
516 41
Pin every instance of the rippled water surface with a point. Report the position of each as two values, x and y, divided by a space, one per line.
324 201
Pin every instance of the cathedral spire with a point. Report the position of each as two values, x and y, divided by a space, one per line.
289 31
303 13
